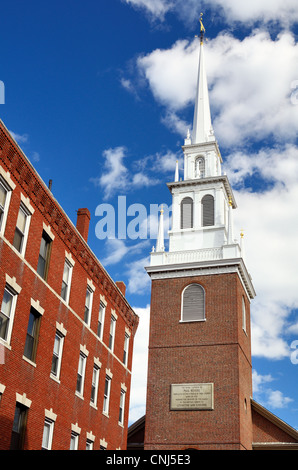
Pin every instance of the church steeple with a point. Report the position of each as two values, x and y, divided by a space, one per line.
202 126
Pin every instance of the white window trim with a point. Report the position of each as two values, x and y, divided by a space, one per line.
126 346
122 403
69 279
28 215
14 289
9 185
61 332
106 399
112 330
96 366
51 425
80 393
102 306
182 300
90 305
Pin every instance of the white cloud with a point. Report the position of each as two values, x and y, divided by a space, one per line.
283 12
156 8
267 396
117 249
250 84
139 281
116 177
19 138
139 366
270 223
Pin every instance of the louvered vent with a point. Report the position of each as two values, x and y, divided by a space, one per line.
208 210
193 308
187 213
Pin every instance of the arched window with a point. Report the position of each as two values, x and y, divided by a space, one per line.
193 303
208 210
200 167
187 213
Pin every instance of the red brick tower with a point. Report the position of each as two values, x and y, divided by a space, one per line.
199 372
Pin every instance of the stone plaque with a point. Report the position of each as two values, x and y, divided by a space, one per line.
191 396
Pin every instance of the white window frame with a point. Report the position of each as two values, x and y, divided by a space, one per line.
95 383
48 424
122 406
101 319
182 320
28 211
60 333
81 370
9 186
89 295
107 392
126 347
89 444
74 439
112 330
14 290
69 266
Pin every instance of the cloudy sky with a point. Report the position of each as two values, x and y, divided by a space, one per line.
100 94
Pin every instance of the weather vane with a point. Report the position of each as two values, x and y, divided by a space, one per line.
202 29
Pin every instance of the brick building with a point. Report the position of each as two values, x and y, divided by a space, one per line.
66 329
199 390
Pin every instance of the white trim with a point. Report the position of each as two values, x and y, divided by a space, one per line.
36 305
48 230
50 415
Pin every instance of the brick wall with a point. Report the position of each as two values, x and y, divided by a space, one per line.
216 350
18 375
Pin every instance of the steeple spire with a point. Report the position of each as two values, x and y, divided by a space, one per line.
202 127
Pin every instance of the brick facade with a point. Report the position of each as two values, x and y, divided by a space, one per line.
30 384
216 351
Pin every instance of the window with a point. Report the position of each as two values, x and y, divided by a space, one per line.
7 313
32 335
106 397
243 315
89 445
207 210
5 195
57 355
74 441
81 373
101 319
94 385
66 281
200 167
44 255
121 408
193 303
112 333
19 427
47 436
88 306
21 231
126 347
187 213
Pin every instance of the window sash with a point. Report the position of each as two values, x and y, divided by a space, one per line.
125 350
47 436
106 396
5 314
101 317
57 355
44 256
32 335
112 333
81 373
94 385
121 407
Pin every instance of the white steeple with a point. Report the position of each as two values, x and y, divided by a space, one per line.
202 127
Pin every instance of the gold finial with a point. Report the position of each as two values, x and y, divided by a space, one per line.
230 201
202 28
242 233
161 210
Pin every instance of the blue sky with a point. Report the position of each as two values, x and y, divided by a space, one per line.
100 94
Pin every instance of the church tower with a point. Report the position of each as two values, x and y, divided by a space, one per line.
199 371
